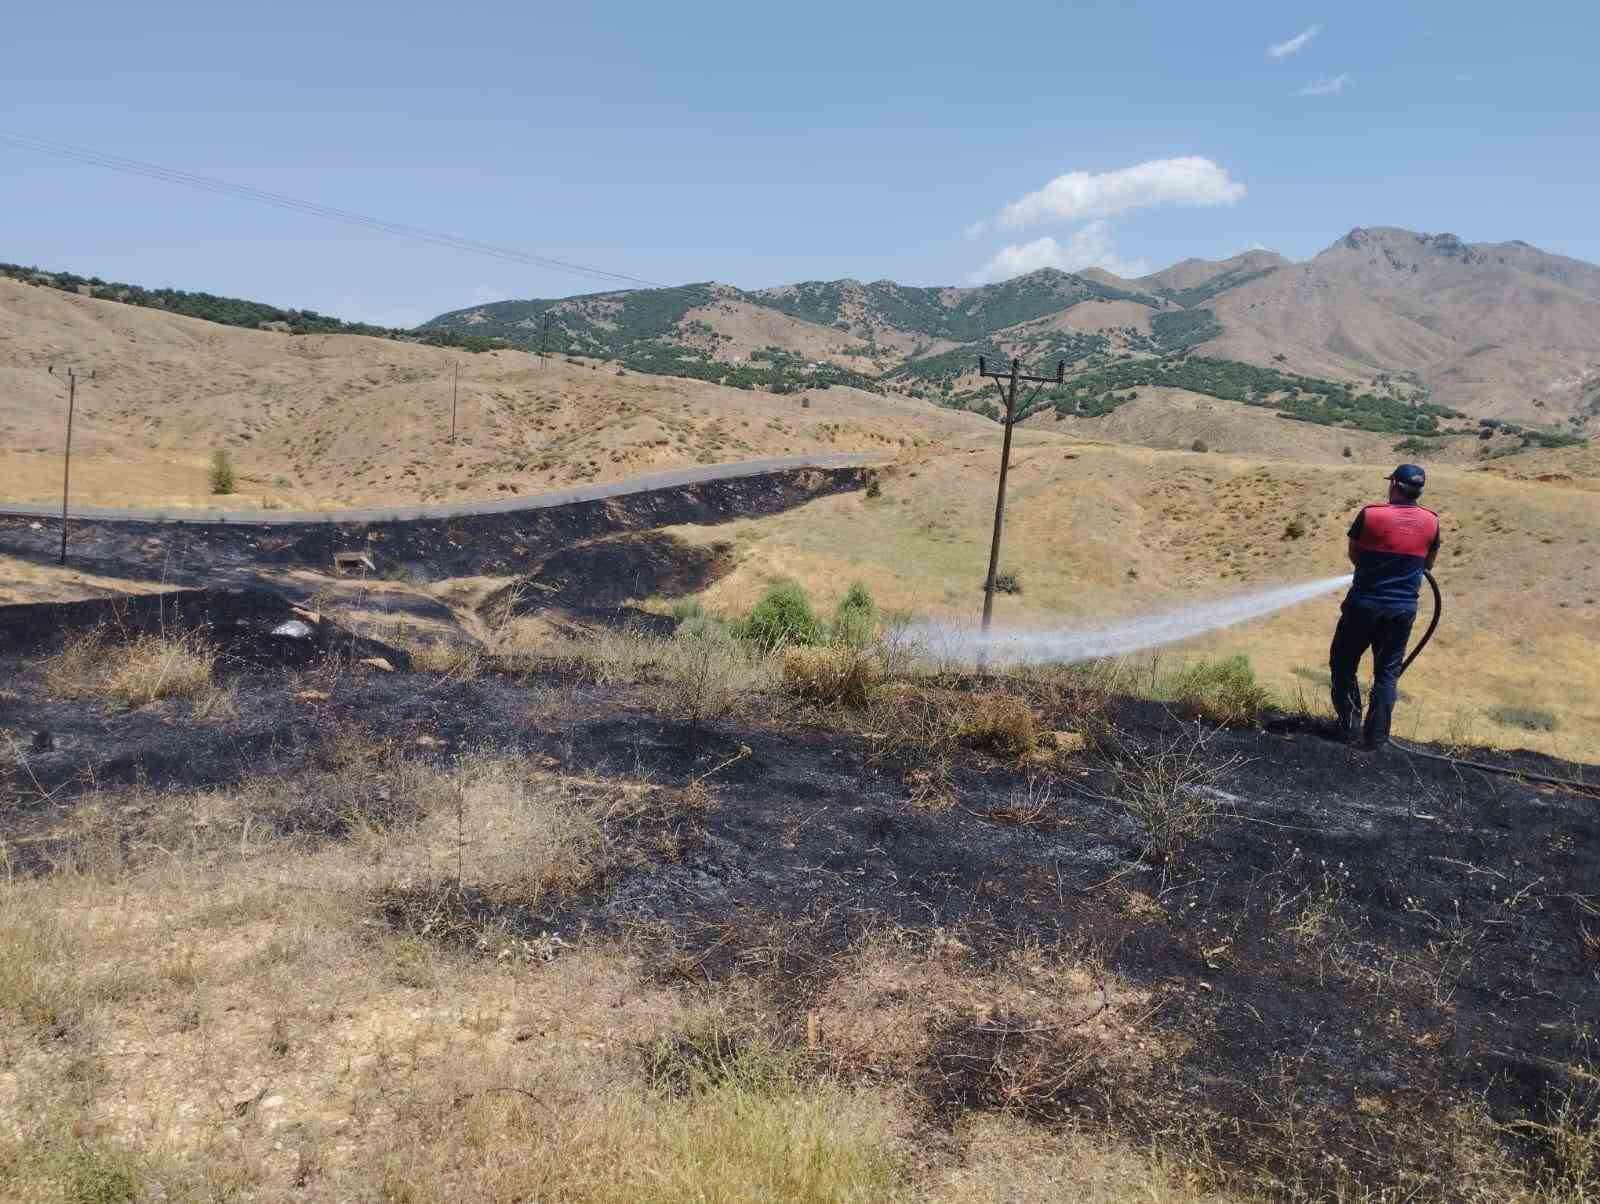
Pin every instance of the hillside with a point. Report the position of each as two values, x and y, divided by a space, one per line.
1501 331
319 421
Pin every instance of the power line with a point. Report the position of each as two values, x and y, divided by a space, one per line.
349 217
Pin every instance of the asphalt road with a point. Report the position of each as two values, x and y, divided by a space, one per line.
537 501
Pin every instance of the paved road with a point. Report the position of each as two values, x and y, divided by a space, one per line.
538 501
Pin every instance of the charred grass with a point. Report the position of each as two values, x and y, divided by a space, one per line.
546 934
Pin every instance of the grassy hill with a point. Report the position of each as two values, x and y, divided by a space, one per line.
319 420
1394 321
229 311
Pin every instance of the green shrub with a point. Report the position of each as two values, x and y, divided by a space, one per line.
781 619
221 472
1295 528
855 619
874 489
1222 691
1199 445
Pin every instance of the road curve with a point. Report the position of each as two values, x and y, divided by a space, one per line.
537 501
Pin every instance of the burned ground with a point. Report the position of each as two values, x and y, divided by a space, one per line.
500 544
594 582
1360 951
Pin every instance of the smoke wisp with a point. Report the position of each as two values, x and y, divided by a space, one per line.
1065 646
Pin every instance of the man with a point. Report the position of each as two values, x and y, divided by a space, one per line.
1390 546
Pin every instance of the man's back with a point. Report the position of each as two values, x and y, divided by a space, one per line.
1394 541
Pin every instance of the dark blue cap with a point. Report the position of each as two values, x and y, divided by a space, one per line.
1410 478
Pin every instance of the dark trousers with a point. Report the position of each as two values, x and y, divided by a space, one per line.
1386 633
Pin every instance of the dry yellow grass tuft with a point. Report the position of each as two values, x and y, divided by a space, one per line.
999 723
135 672
838 675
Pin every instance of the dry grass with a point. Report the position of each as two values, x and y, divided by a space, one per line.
841 676
227 1016
448 658
1169 788
135 672
999 723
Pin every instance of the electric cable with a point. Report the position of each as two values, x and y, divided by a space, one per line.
277 200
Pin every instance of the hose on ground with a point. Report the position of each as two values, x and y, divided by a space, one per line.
1482 766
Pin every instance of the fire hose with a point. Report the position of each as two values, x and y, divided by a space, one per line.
1484 766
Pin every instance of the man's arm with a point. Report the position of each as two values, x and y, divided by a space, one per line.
1433 553
1353 550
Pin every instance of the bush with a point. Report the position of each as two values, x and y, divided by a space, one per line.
843 675
1347 453
1295 529
855 619
1007 582
874 489
781 619
221 472
1001 724
700 676
1199 445
1224 692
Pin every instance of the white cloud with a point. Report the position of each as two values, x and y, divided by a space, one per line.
975 229
1325 87
1294 45
1080 194
1089 247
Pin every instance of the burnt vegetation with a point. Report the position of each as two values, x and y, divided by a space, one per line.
1304 973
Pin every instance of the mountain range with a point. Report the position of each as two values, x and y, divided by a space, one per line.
1500 331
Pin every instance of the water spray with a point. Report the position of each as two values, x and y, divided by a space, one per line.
1065 646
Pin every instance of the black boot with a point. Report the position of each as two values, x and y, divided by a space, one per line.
1375 732
1347 726
1347 715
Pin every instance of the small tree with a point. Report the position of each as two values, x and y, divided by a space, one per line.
221 472
1347 452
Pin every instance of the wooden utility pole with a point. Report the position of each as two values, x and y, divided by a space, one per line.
544 339
1008 394
66 460
455 395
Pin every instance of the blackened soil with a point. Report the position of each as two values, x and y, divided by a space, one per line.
1367 940
250 628
180 553
592 583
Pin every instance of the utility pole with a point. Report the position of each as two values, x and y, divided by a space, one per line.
66 461
1008 394
455 394
544 339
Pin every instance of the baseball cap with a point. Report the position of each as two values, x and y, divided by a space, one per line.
1410 478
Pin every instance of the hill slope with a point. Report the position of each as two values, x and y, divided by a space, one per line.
326 420
1495 330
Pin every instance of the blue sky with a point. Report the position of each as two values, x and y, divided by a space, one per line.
760 144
